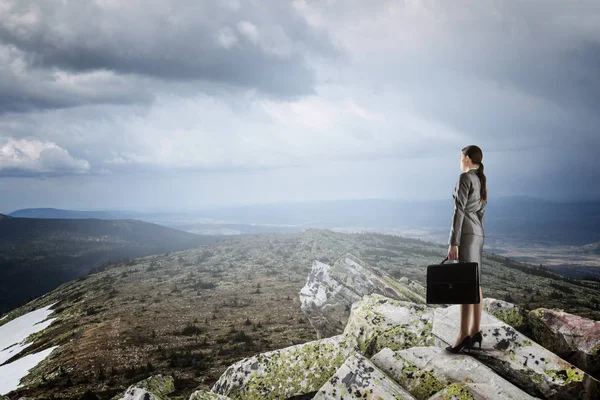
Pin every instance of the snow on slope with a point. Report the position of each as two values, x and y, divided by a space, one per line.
11 374
12 336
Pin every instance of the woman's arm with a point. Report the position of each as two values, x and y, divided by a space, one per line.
460 200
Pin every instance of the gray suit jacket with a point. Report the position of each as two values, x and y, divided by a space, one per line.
469 207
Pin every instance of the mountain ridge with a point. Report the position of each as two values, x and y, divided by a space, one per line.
37 255
192 313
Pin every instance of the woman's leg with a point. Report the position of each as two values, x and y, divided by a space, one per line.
476 321
465 316
477 308
469 251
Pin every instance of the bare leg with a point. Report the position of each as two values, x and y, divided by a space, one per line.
465 316
477 308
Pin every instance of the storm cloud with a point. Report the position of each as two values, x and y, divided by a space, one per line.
242 44
378 94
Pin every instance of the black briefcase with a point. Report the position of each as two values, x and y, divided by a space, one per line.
454 283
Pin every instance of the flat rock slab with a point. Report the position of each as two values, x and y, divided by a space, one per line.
330 291
377 321
291 371
520 360
358 378
424 371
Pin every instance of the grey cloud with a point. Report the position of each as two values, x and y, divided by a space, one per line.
165 41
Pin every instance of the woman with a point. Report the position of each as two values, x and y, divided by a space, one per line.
470 199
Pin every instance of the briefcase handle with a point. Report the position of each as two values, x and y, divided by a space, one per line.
446 259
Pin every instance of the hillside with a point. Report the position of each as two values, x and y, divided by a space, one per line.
193 313
37 255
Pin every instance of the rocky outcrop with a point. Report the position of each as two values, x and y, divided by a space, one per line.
359 378
377 322
518 359
292 371
424 371
330 291
574 338
391 347
156 387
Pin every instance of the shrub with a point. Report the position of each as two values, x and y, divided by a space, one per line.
191 330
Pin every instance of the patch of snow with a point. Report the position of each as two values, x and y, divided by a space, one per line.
3 317
11 374
13 333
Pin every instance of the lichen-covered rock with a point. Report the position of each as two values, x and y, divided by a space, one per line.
574 338
378 321
329 292
518 359
456 391
204 395
156 387
359 378
292 371
424 371
506 312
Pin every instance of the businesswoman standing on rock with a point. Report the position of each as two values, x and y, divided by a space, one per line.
467 235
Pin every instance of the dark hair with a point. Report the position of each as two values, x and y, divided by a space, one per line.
476 155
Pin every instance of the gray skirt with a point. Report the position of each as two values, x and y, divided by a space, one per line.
471 250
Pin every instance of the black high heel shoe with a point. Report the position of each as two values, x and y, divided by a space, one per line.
465 342
478 337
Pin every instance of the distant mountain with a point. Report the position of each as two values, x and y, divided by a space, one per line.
71 214
37 255
520 217
2 216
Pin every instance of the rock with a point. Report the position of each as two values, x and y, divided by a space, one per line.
456 391
424 371
574 338
506 312
292 371
359 378
378 321
204 395
518 359
330 291
156 387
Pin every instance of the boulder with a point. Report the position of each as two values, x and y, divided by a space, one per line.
359 378
378 321
330 291
509 313
426 370
292 371
519 359
156 387
574 338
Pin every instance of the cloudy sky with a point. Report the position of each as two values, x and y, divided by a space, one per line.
152 104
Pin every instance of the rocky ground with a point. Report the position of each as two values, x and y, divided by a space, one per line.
192 314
